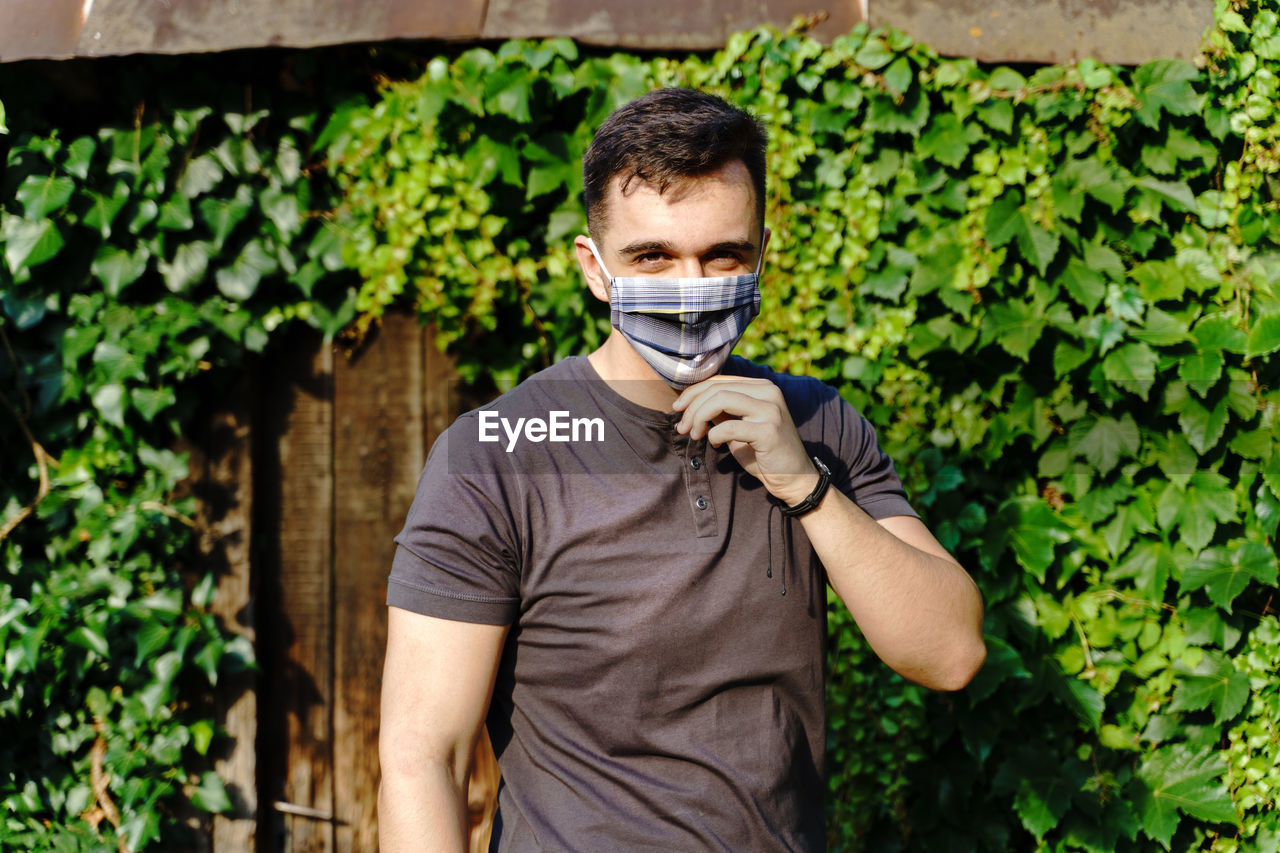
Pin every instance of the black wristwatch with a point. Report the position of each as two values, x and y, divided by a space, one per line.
815 497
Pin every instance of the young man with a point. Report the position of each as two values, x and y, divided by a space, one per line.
621 564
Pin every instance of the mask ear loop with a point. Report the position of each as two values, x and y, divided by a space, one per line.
591 244
760 259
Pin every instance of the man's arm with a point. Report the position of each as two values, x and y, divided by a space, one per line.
436 686
919 610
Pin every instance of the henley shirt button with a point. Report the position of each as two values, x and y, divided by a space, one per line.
696 463
701 502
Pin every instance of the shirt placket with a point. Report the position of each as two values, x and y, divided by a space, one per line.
697 482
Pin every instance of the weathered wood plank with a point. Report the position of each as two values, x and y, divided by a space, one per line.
378 454
297 706
225 522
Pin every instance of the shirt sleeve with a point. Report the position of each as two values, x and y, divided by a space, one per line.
458 554
868 477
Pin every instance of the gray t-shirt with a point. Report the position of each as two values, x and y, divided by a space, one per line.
658 690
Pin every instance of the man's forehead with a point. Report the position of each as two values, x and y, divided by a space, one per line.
677 189
716 207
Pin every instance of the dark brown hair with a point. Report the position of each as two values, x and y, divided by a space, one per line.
669 136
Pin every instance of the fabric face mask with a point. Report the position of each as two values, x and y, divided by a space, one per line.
684 328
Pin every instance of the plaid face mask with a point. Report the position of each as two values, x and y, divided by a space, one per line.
684 328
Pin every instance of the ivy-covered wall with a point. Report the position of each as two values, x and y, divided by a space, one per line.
1055 290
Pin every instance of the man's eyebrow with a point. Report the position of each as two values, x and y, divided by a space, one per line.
744 246
641 246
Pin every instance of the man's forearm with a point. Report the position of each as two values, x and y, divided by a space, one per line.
920 611
423 812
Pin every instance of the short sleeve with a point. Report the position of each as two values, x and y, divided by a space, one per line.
869 478
458 554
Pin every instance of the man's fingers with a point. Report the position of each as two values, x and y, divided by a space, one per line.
708 408
736 429
761 389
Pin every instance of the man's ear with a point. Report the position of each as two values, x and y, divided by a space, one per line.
591 271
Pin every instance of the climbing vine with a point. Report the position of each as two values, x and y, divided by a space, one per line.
1055 291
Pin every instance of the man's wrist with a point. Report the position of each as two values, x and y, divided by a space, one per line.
800 487
807 492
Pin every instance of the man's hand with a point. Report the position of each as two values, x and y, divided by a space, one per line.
751 416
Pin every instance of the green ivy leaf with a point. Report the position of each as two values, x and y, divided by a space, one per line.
117 269
190 262
1224 572
28 244
1044 795
1133 368
223 215
1016 326
1130 518
898 77
1164 85
201 175
1264 336
152 401
947 140
887 115
1033 530
1176 195
109 401
240 280
1162 329
1219 332
1177 779
1196 510
1086 285
1099 179
1104 441
1037 245
103 208
201 736
874 54
284 211
1214 683
1150 565
80 157
175 214
211 795
1202 426
43 195
1175 457
1201 370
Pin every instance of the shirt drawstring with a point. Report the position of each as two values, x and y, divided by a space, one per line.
786 543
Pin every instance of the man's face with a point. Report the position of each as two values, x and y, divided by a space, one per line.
706 226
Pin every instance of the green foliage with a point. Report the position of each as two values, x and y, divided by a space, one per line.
461 190
142 258
1054 290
